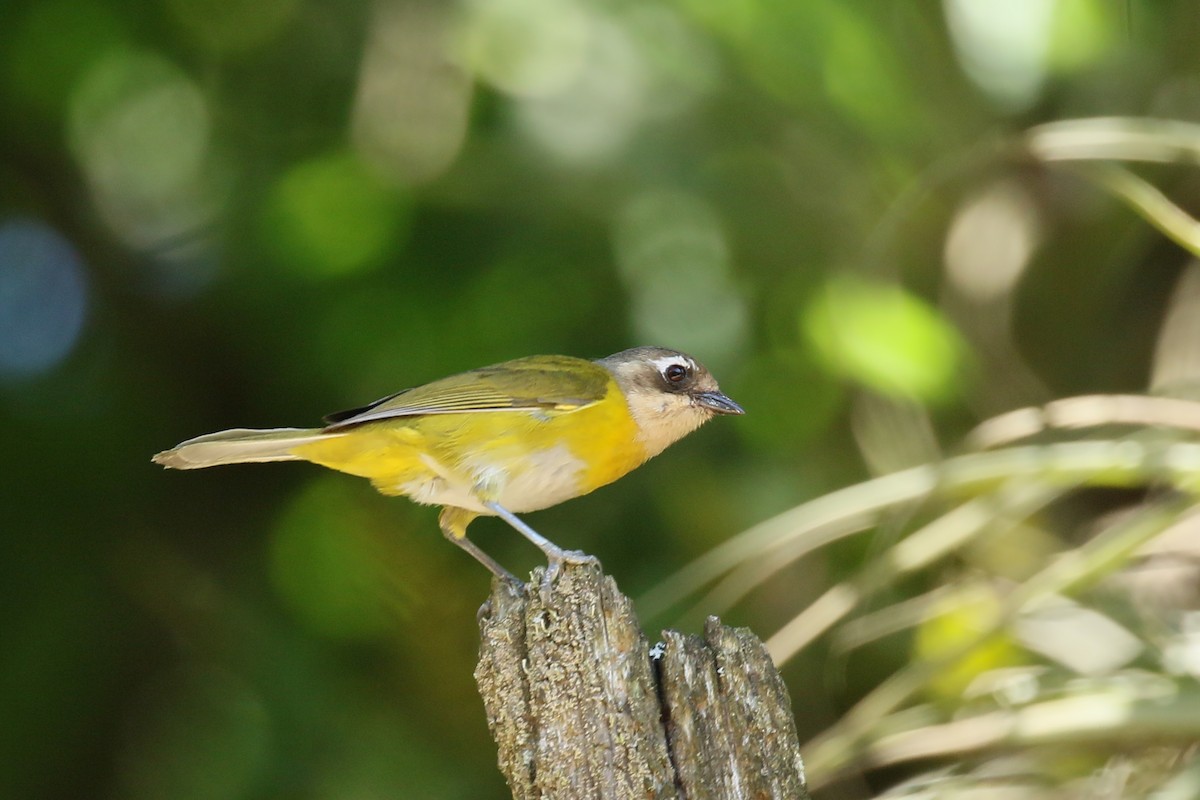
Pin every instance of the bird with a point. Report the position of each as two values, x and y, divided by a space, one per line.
501 440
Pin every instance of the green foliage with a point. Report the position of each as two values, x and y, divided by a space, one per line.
879 223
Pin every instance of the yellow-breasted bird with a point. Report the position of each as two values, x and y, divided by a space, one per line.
518 436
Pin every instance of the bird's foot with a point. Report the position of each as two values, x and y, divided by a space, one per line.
557 557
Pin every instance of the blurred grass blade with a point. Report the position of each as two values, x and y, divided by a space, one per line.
919 549
813 524
749 575
1086 142
834 749
1115 139
777 542
1152 710
899 616
1151 204
1086 411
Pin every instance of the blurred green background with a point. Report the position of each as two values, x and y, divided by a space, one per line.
223 213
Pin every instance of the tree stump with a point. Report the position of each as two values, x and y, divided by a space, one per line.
581 707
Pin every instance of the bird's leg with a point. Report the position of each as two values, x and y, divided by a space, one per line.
453 522
554 554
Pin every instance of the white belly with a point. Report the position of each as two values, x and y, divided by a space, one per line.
539 480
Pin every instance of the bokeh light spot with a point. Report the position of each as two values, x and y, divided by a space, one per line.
672 253
331 216
324 565
1003 47
884 338
1083 33
411 109
681 65
990 242
43 297
665 225
138 124
525 47
140 130
956 619
595 114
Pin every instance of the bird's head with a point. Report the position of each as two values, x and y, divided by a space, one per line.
669 393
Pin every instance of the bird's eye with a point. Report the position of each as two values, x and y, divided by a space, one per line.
675 373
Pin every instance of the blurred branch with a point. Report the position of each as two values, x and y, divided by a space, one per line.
580 706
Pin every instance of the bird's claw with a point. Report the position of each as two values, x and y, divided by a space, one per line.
577 557
560 557
484 612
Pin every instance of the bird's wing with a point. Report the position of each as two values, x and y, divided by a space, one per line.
551 383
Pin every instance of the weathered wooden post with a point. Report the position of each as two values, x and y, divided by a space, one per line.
581 707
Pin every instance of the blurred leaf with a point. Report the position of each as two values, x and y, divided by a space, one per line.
1083 32
329 217
886 339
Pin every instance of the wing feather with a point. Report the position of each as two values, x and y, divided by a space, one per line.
558 383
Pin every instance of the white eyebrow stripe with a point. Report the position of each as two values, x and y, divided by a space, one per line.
661 364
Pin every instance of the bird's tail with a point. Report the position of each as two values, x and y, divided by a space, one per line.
238 446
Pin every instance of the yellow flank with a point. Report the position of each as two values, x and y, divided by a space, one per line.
525 459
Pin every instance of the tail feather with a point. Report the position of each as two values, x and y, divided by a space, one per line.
237 446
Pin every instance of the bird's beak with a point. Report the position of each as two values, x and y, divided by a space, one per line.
715 401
